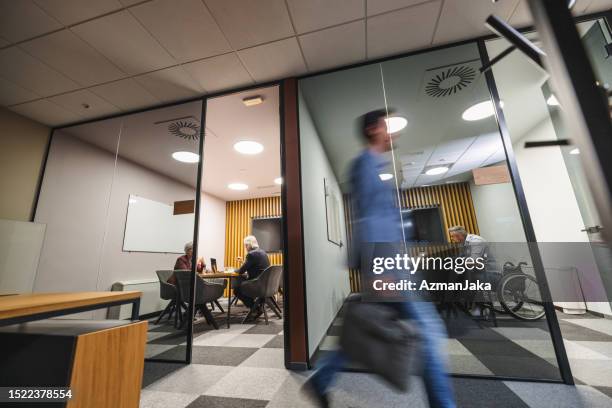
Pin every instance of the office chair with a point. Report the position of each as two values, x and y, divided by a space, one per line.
206 292
262 289
167 291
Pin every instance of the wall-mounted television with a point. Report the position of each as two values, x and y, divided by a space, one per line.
423 225
269 233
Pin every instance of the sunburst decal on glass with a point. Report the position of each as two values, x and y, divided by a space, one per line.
185 130
451 81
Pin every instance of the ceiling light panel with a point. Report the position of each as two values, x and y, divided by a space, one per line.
186 157
238 186
248 147
479 111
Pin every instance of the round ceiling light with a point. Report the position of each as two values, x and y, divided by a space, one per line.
385 176
434 171
396 123
248 147
278 180
479 111
552 100
237 186
186 157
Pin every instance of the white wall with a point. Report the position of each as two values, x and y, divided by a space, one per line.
553 208
497 212
548 190
82 251
327 275
20 245
212 230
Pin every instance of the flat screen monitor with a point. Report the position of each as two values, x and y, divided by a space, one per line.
423 225
268 232
213 265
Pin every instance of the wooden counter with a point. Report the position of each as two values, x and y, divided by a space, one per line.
37 306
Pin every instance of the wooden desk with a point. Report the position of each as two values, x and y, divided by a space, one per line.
37 306
100 361
228 276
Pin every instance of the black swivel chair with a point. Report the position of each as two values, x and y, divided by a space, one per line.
206 292
262 289
168 291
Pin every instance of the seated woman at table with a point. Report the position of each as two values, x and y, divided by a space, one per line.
183 262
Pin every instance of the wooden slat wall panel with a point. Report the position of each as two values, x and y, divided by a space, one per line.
238 225
456 206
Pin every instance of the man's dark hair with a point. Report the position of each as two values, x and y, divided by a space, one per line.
371 118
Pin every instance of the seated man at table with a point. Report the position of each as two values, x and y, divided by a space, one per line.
183 262
255 263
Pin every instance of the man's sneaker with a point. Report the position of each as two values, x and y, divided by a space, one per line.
311 392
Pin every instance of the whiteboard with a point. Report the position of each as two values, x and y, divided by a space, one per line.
333 208
151 226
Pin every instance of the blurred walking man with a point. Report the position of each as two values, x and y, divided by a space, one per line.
378 221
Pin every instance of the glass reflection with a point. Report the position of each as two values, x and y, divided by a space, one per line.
152 220
74 206
453 196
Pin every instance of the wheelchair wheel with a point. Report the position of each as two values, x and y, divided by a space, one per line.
498 307
519 294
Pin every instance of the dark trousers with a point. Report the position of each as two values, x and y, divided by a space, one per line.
236 283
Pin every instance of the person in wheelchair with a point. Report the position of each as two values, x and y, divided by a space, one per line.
474 246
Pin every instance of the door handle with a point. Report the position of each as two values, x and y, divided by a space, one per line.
592 230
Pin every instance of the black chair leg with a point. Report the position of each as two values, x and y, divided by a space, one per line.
172 311
178 317
276 307
167 309
263 306
209 317
216 302
270 301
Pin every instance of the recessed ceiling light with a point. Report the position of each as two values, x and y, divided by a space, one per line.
186 157
237 186
252 100
575 151
385 176
396 123
278 180
552 100
248 147
434 171
479 111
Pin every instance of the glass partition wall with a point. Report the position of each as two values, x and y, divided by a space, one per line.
449 168
133 203
562 208
118 198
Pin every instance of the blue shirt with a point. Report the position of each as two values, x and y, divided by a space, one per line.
377 217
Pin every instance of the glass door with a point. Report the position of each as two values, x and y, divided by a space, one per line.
596 37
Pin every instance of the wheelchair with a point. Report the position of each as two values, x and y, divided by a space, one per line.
513 292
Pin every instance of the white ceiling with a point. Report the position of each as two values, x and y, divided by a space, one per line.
229 121
436 134
56 55
144 138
